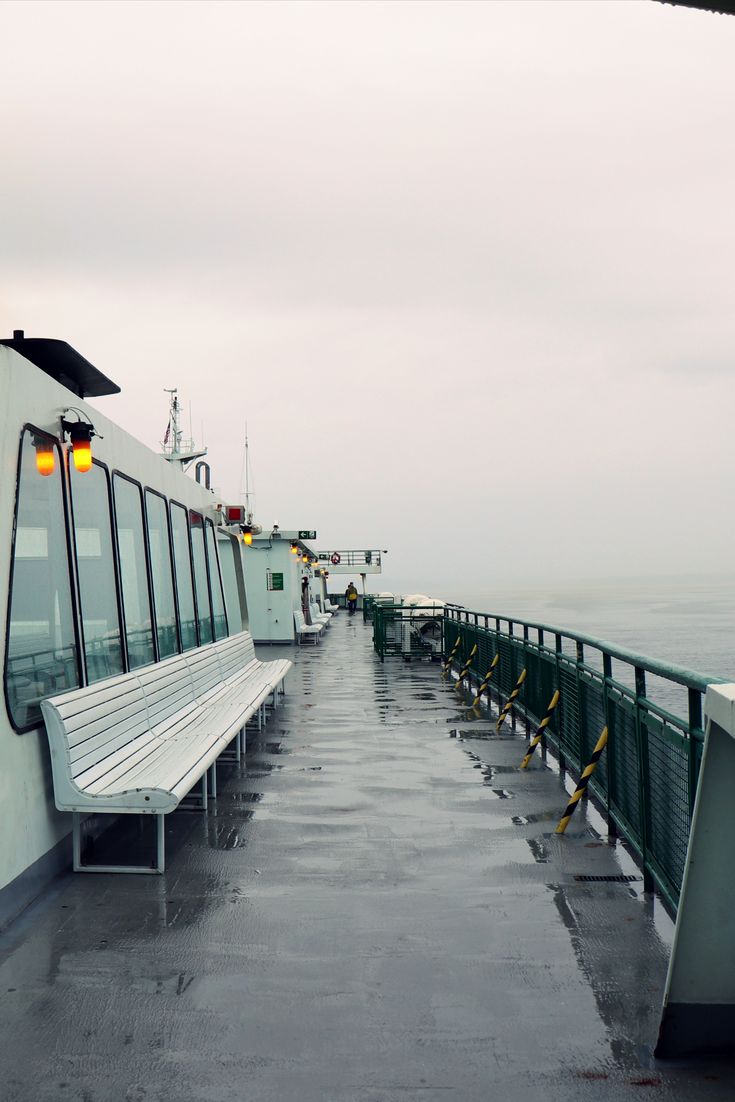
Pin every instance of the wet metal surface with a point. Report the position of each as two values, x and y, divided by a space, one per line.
375 908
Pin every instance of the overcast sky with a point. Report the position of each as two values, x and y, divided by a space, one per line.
465 269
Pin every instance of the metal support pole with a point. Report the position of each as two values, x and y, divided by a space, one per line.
540 729
511 698
160 844
584 780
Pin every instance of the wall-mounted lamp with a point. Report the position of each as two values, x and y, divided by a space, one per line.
45 455
305 558
247 537
80 433
294 549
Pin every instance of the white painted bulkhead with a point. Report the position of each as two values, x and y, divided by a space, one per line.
28 397
266 563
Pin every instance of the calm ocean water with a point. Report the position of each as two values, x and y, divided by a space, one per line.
687 622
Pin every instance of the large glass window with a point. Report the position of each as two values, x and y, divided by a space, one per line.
159 549
133 572
41 655
218 600
199 557
184 580
96 572
228 549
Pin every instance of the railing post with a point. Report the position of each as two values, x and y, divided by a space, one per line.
584 749
695 724
643 785
558 651
612 830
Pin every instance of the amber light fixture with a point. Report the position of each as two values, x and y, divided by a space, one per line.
247 537
45 455
80 433
294 549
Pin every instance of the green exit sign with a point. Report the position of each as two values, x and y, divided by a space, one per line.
307 535
275 581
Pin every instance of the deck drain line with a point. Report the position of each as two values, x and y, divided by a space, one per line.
621 879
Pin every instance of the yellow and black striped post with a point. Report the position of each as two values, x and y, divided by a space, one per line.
447 665
584 780
509 702
540 729
465 669
485 681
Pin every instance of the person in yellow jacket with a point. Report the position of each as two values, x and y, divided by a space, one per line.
351 597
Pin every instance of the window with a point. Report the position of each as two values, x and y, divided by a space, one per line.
228 549
96 572
42 656
133 572
184 580
199 558
218 600
159 549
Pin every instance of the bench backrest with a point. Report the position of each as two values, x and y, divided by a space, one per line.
235 654
167 687
90 724
100 719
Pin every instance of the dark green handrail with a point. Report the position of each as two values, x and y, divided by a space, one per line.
646 779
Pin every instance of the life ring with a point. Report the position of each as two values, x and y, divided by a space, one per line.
336 559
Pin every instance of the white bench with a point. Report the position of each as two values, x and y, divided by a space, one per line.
140 742
304 630
319 617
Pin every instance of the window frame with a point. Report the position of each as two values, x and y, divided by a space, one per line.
196 512
115 565
174 584
213 528
185 508
71 564
149 579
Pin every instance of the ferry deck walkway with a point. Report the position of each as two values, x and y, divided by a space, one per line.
376 910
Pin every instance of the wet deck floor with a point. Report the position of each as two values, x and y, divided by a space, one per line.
375 910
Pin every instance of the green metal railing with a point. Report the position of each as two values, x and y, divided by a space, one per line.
646 779
406 630
368 603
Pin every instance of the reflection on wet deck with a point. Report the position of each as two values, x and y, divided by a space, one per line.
375 908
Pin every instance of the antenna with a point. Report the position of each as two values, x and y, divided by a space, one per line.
245 489
174 448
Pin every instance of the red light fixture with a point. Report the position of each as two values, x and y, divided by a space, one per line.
45 455
80 434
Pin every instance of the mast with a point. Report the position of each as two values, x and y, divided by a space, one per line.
174 448
248 504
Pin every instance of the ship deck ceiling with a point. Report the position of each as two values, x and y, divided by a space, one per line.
375 909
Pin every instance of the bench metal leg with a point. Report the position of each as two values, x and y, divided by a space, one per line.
79 866
204 792
212 774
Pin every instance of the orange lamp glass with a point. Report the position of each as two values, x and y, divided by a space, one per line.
294 549
45 458
82 455
247 538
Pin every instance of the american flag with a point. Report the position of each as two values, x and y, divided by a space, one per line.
168 433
